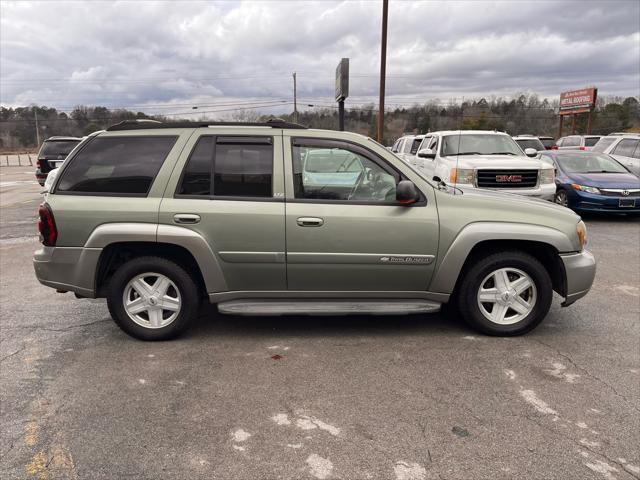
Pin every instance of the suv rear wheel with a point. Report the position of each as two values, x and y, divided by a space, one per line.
505 294
152 298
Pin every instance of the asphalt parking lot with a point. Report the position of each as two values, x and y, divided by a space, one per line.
406 398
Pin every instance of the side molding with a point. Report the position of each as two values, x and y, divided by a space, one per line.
446 275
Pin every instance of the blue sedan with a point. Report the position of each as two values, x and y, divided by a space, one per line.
594 182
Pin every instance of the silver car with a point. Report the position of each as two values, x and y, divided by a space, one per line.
625 148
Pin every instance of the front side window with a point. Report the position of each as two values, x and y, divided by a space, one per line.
327 170
479 144
116 165
229 167
626 147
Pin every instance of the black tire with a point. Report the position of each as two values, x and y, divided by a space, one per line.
185 284
467 294
561 198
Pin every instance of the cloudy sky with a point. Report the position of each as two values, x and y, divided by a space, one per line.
170 56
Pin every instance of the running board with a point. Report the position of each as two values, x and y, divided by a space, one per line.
327 307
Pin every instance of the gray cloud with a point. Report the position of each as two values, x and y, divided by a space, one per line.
133 54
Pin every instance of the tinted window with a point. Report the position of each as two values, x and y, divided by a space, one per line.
414 145
626 147
603 143
55 148
548 142
196 179
590 141
116 165
243 167
530 143
337 171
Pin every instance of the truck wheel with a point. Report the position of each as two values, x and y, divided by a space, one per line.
152 298
505 294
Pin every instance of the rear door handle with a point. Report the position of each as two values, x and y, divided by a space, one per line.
186 218
310 221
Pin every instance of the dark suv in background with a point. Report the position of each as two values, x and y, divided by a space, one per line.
52 153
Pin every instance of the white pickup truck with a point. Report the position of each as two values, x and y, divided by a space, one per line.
484 159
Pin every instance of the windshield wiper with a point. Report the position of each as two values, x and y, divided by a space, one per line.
502 153
602 171
468 153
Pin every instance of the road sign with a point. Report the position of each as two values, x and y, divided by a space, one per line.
342 80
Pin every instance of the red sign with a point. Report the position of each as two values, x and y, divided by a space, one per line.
578 101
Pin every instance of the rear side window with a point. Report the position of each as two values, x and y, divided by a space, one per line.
626 147
603 143
116 165
414 146
229 167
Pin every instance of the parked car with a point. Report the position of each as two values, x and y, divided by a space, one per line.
548 142
154 218
52 153
577 142
594 182
485 159
406 147
529 141
625 148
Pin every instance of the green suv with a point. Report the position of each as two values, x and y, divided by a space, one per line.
275 218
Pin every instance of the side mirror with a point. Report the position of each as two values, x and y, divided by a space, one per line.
530 152
406 192
426 153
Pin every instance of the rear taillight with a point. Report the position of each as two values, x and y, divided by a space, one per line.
37 163
583 148
554 147
47 226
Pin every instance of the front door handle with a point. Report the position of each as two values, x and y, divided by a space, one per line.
186 218
310 221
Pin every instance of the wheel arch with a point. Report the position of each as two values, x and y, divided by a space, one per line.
481 239
121 242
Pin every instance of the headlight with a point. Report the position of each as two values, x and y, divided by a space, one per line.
585 188
581 230
547 175
461 175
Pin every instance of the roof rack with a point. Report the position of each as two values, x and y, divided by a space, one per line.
147 124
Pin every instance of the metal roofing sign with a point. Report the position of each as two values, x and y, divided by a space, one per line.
578 101
342 80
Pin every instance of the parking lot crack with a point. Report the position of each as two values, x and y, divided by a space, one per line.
588 373
12 354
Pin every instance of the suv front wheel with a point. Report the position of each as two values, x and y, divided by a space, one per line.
152 298
505 294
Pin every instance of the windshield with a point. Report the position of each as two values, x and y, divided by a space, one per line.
479 144
589 163
603 143
530 143
58 147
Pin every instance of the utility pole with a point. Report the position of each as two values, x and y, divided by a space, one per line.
383 68
295 99
35 111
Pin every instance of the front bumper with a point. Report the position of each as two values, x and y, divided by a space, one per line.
580 271
67 268
590 202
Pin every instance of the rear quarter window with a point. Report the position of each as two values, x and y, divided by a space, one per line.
116 166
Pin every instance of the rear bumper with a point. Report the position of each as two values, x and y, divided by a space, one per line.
67 268
580 271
